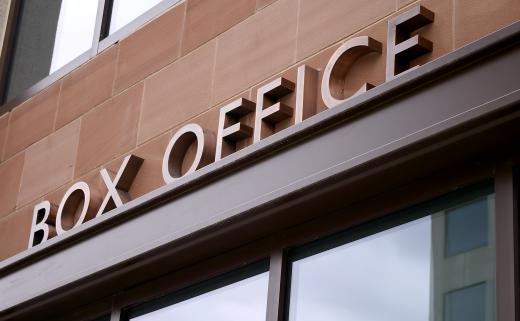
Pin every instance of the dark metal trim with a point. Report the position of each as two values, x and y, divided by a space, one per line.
506 243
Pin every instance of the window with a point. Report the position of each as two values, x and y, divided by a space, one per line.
467 304
241 295
53 37
49 35
401 271
467 227
124 11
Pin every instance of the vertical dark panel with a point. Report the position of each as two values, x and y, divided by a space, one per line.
277 286
516 240
506 247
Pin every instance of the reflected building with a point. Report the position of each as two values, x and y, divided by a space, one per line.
463 262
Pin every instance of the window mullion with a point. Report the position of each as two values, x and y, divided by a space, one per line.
277 286
101 12
115 314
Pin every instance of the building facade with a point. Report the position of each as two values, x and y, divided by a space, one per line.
267 160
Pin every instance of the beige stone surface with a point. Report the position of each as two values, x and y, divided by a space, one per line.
10 175
87 87
323 22
49 163
14 232
32 121
260 4
109 130
255 49
402 3
205 19
177 93
475 19
150 48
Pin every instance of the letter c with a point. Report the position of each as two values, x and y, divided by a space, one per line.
338 66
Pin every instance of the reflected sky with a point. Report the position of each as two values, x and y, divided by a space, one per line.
75 31
124 11
389 270
243 300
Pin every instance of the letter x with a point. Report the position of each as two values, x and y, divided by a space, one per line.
119 187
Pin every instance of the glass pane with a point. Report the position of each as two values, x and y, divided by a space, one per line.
466 227
49 35
124 11
75 31
242 300
466 304
401 274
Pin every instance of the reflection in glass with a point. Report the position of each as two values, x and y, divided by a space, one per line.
242 300
124 11
466 227
75 31
466 304
403 273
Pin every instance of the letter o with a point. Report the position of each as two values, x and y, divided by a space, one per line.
69 204
339 65
177 148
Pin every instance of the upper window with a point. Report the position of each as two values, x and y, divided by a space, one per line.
49 35
125 11
436 267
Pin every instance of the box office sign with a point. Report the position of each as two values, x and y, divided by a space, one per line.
404 44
